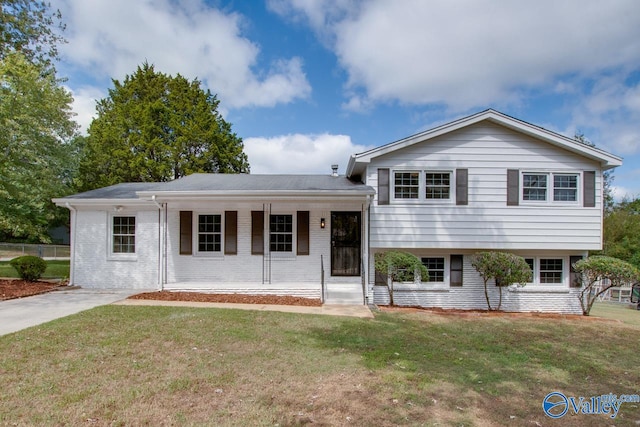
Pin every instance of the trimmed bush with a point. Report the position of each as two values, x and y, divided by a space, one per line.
29 267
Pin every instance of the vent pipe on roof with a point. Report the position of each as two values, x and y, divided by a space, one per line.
334 170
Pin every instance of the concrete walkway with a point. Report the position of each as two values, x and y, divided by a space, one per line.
331 310
21 313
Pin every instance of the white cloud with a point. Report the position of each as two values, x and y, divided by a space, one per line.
300 154
84 105
110 38
474 53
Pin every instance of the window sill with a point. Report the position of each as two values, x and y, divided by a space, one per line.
421 287
540 289
119 257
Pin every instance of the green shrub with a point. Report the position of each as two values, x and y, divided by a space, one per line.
29 267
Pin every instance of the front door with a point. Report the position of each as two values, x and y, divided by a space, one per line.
345 243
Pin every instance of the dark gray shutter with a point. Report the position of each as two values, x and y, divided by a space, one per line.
589 189
462 186
455 270
383 186
303 233
231 232
186 228
574 277
257 232
513 187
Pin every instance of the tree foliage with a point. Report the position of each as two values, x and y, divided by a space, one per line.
595 269
31 28
155 127
35 125
622 232
504 268
399 267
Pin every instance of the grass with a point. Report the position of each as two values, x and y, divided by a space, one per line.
623 312
56 269
124 365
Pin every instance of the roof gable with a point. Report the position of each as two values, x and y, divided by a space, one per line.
357 162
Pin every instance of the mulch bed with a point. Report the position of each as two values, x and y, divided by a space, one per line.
10 289
228 298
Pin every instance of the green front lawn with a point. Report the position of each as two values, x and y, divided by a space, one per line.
125 365
55 270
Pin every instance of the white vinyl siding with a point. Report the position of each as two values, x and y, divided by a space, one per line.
487 151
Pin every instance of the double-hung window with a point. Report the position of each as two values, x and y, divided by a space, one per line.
534 187
549 187
281 233
209 233
438 185
422 185
123 235
406 185
435 266
565 188
551 270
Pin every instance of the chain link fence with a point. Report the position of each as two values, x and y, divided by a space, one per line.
12 250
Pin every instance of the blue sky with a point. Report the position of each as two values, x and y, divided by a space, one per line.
306 83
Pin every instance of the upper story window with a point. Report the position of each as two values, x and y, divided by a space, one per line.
209 233
565 188
438 185
544 187
406 185
281 233
422 185
124 235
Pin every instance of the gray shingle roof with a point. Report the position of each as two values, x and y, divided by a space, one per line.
126 190
203 182
231 184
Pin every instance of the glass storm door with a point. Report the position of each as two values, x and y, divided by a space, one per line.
345 243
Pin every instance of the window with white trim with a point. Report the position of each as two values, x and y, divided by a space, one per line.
281 233
551 270
436 268
534 187
438 185
406 185
209 233
550 187
123 237
565 188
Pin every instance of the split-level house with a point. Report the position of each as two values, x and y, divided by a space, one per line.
484 182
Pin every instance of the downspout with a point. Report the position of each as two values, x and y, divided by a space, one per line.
72 243
160 241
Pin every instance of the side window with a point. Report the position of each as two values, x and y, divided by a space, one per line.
551 270
123 235
565 188
534 187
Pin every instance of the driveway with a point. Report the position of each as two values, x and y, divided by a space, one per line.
21 313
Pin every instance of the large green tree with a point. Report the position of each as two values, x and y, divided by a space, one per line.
32 28
622 232
35 126
157 127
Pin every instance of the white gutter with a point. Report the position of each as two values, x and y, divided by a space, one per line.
72 243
